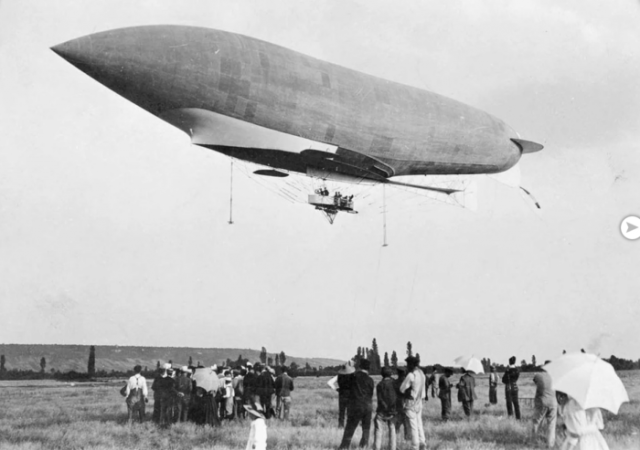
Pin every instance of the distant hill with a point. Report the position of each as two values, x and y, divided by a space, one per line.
109 357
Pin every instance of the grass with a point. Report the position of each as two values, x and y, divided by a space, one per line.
38 415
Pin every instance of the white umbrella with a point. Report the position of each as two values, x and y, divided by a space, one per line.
591 381
206 378
470 363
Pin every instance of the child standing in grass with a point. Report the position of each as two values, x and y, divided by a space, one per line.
258 434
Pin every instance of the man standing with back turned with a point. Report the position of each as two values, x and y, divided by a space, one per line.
510 380
546 406
360 408
413 389
444 392
136 394
284 386
386 412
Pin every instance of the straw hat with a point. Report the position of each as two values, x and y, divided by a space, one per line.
256 411
346 370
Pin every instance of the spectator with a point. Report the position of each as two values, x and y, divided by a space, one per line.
413 388
360 406
510 380
468 389
386 411
546 406
284 386
444 392
137 396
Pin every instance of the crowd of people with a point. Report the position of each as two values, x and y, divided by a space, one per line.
178 398
400 402
257 392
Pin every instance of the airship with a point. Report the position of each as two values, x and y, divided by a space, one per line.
292 113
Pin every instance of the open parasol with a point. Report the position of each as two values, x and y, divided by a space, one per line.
206 378
590 380
470 363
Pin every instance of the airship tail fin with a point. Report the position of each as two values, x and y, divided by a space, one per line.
527 146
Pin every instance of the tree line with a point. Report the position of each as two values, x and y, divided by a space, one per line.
277 359
373 355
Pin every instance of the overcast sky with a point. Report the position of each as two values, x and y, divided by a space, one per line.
113 228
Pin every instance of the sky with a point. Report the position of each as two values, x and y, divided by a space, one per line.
114 229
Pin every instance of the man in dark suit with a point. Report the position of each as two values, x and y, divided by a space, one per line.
444 392
467 387
510 380
360 407
345 378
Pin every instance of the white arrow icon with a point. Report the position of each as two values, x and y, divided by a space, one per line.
630 227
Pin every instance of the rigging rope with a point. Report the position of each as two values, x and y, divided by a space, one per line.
231 194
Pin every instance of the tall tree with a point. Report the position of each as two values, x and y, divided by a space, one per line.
91 366
394 359
386 359
533 360
277 356
2 363
283 358
358 357
43 365
418 356
190 362
158 365
263 355
409 349
270 361
375 358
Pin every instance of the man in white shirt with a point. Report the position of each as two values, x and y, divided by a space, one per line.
136 394
413 390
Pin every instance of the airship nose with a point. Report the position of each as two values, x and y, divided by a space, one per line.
137 63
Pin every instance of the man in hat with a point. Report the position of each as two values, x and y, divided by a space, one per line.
229 396
431 382
493 386
413 390
386 411
444 392
164 392
249 383
401 419
183 386
467 385
265 388
284 386
137 395
360 407
510 380
345 379
238 390
546 406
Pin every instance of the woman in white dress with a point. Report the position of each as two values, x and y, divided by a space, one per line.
582 427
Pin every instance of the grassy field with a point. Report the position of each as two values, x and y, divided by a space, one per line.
48 415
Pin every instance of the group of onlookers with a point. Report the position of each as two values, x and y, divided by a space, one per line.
178 398
399 404
254 389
